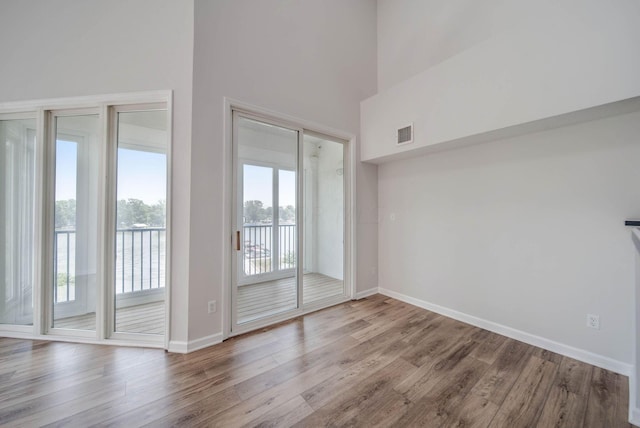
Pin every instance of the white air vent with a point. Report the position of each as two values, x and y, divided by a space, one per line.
405 135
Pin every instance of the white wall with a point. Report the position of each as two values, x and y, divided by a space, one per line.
526 232
414 35
309 59
564 57
324 208
310 205
330 211
67 48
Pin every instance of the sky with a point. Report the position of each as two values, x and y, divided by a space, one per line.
141 175
66 167
258 185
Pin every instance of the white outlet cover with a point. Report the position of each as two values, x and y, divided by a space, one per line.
593 321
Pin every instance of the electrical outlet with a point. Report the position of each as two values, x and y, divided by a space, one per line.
212 306
593 321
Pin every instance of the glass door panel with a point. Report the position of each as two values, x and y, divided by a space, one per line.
140 235
77 153
323 219
257 211
287 236
17 220
265 262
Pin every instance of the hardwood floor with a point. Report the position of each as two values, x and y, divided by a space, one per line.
373 362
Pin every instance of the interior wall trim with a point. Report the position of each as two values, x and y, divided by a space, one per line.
634 412
183 347
365 293
531 339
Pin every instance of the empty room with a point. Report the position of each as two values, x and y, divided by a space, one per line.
402 213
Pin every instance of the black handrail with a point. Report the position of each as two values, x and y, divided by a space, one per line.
635 223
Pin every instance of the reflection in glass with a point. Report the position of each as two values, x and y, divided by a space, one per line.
140 236
323 219
257 219
288 242
266 264
77 152
17 220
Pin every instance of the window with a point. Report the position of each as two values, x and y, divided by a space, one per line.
17 219
140 229
76 234
83 226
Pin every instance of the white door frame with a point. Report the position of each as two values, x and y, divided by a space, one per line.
258 113
42 110
235 220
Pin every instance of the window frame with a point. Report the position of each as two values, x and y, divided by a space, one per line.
41 110
26 115
111 222
82 191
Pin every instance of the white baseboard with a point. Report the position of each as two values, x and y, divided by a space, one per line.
18 334
182 347
550 345
366 293
177 346
634 412
634 416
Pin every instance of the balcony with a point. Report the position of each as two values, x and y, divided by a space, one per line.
259 246
266 285
139 282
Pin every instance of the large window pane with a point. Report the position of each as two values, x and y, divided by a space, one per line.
266 263
257 213
17 220
323 219
288 242
77 153
140 235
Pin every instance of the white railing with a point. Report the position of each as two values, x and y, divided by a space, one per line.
140 261
259 248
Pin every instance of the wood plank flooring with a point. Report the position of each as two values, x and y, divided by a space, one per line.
273 297
372 362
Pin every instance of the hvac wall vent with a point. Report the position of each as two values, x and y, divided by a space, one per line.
405 135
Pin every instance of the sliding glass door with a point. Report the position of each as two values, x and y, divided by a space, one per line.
84 239
266 218
76 235
324 214
108 252
17 218
140 237
288 220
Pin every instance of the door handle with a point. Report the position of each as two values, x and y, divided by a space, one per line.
237 240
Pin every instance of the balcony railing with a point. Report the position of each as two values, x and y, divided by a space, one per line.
64 266
259 249
140 261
